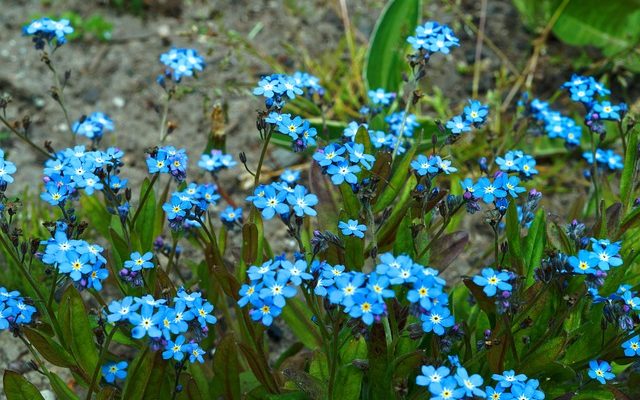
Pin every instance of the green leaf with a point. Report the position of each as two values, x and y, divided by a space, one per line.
298 315
145 226
49 349
75 324
16 387
385 59
138 375
60 388
249 243
630 167
513 238
534 245
396 183
226 367
544 356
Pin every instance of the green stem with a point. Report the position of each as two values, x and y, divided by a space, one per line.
59 98
594 175
163 120
256 180
53 288
103 353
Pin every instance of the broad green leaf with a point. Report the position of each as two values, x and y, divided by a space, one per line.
630 167
60 388
76 328
396 183
385 60
49 349
545 355
226 367
16 387
138 375
249 243
534 245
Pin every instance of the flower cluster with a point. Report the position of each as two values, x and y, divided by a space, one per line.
168 327
587 90
281 199
187 207
621 308
46 30
181 63
216 161
82 262
168 160
270 285
343 162
131 273
93 126
75 169
431 166
606 160
602 256
495 190
474 116
6 169
442 384
519 162
300 131
13 309
308 82
276 89
397 119
554 123
433 37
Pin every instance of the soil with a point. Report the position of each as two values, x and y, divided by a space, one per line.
118 77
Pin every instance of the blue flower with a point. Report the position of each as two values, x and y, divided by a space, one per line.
497 393
582 93
54 194
216 161
329 155
509 378
446 389
343 172
608 111
352 228
267 268
196 354
458 125
436 319
346 286
6 169
75 265
202 310
489 191
423 292
297 271
182 62
584 263
380 97
366 307
600 371
491 281
177 208
146 322
302 202
632 347
47 30
112 371
631 300
471 384
352 129
379 284
290 176
264 311
424 165
272 202
431 375
511 186
277 289
121 310
444 165
357 155
231 216
138 261
266 87
291 126
606 255
476 112
175 350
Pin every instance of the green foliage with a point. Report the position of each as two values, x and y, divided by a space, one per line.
385 62
612 26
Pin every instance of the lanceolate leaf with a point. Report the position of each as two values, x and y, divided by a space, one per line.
226 367
385 59
630 167
16 387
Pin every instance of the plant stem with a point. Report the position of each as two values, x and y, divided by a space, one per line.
177 381
256 180
163 120
103 353
24 138
59 96
594 175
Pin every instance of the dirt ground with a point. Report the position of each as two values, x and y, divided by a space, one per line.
118 77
